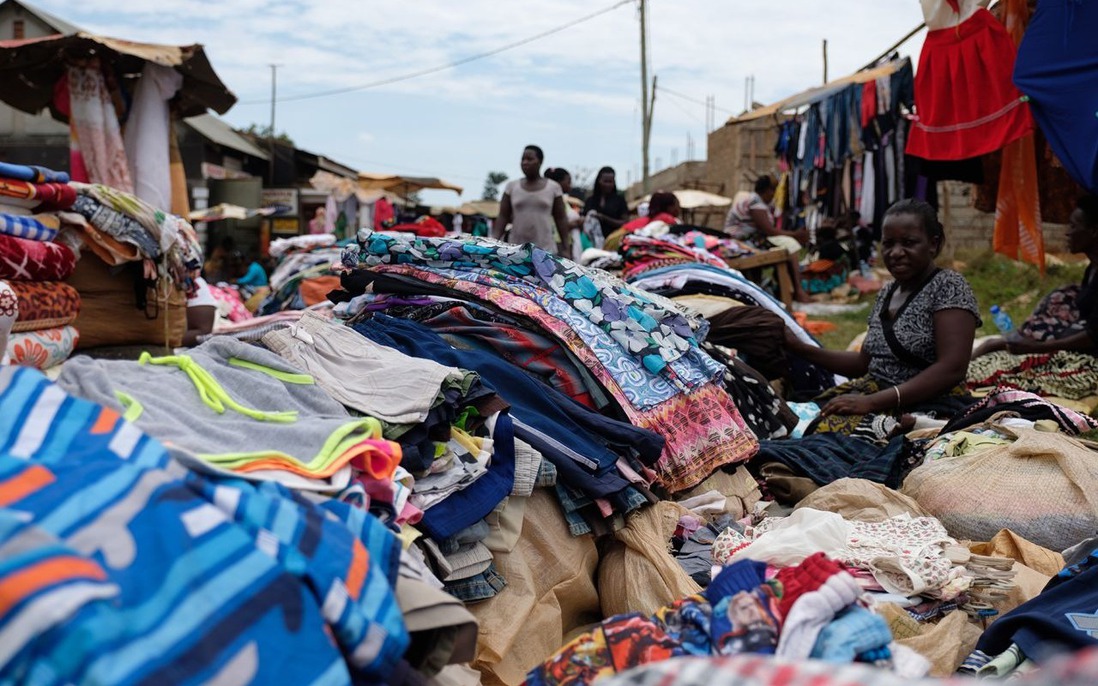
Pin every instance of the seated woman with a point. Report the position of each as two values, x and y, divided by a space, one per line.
663 207
752 220
1067 318
921 328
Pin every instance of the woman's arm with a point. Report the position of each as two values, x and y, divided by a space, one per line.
844 362
1028 346
953 334
763 224
560 217
608 221
200 321
506 214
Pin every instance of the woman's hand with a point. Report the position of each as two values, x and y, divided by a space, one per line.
792 343
850 404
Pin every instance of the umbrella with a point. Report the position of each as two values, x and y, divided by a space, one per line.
692 200
30 68
1057 67
405 185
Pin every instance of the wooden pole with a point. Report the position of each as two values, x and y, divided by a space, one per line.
825 59
646 111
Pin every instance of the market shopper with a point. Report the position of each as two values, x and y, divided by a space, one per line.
606 202
751 219
921 328
201 313
534 207
1067 318
662 207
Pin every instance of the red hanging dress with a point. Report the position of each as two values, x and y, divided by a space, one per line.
966 103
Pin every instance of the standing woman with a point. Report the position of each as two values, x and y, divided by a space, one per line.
534 206
608 204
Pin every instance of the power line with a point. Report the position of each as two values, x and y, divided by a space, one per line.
665 89
448 65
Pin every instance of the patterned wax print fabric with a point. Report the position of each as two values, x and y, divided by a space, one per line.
27 260
43 349
45 305
913 326
881 426
1064 374
122 567
655 333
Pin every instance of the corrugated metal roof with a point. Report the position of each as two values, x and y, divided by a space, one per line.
218 131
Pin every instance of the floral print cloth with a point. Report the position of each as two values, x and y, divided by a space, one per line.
905 554
9 310
43 349
649 330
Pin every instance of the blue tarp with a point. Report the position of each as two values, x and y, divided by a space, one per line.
1057 68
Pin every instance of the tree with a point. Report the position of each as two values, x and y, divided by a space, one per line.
264 131
491 184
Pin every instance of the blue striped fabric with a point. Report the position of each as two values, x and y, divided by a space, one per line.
26 227
119 566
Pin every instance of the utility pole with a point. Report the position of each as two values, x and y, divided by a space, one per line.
646 104
825 60
271 131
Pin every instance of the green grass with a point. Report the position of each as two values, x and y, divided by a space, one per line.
1014 286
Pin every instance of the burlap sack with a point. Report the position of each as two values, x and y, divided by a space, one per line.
109 313
946 644
638 574
861 500
550 592
1044 487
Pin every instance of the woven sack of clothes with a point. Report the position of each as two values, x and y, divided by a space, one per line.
1043 486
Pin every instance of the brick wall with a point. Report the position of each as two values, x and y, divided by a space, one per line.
968 229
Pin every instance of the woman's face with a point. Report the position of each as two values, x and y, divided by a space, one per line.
607 183
906 248
566 183
1081 237
530 163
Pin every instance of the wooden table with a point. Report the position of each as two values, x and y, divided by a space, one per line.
778 258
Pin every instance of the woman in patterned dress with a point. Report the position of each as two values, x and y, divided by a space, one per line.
917 348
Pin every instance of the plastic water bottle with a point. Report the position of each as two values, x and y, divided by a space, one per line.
1002 320
863 267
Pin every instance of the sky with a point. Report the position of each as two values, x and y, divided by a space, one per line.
575 93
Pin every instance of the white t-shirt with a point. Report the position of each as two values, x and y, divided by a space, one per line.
203 297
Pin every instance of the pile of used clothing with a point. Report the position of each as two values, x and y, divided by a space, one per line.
33 267
436 452
303 276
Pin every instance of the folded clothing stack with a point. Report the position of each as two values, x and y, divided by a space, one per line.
33 266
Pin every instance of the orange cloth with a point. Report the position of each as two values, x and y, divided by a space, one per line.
316 290
1018 232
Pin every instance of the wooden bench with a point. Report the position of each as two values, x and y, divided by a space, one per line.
778 259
